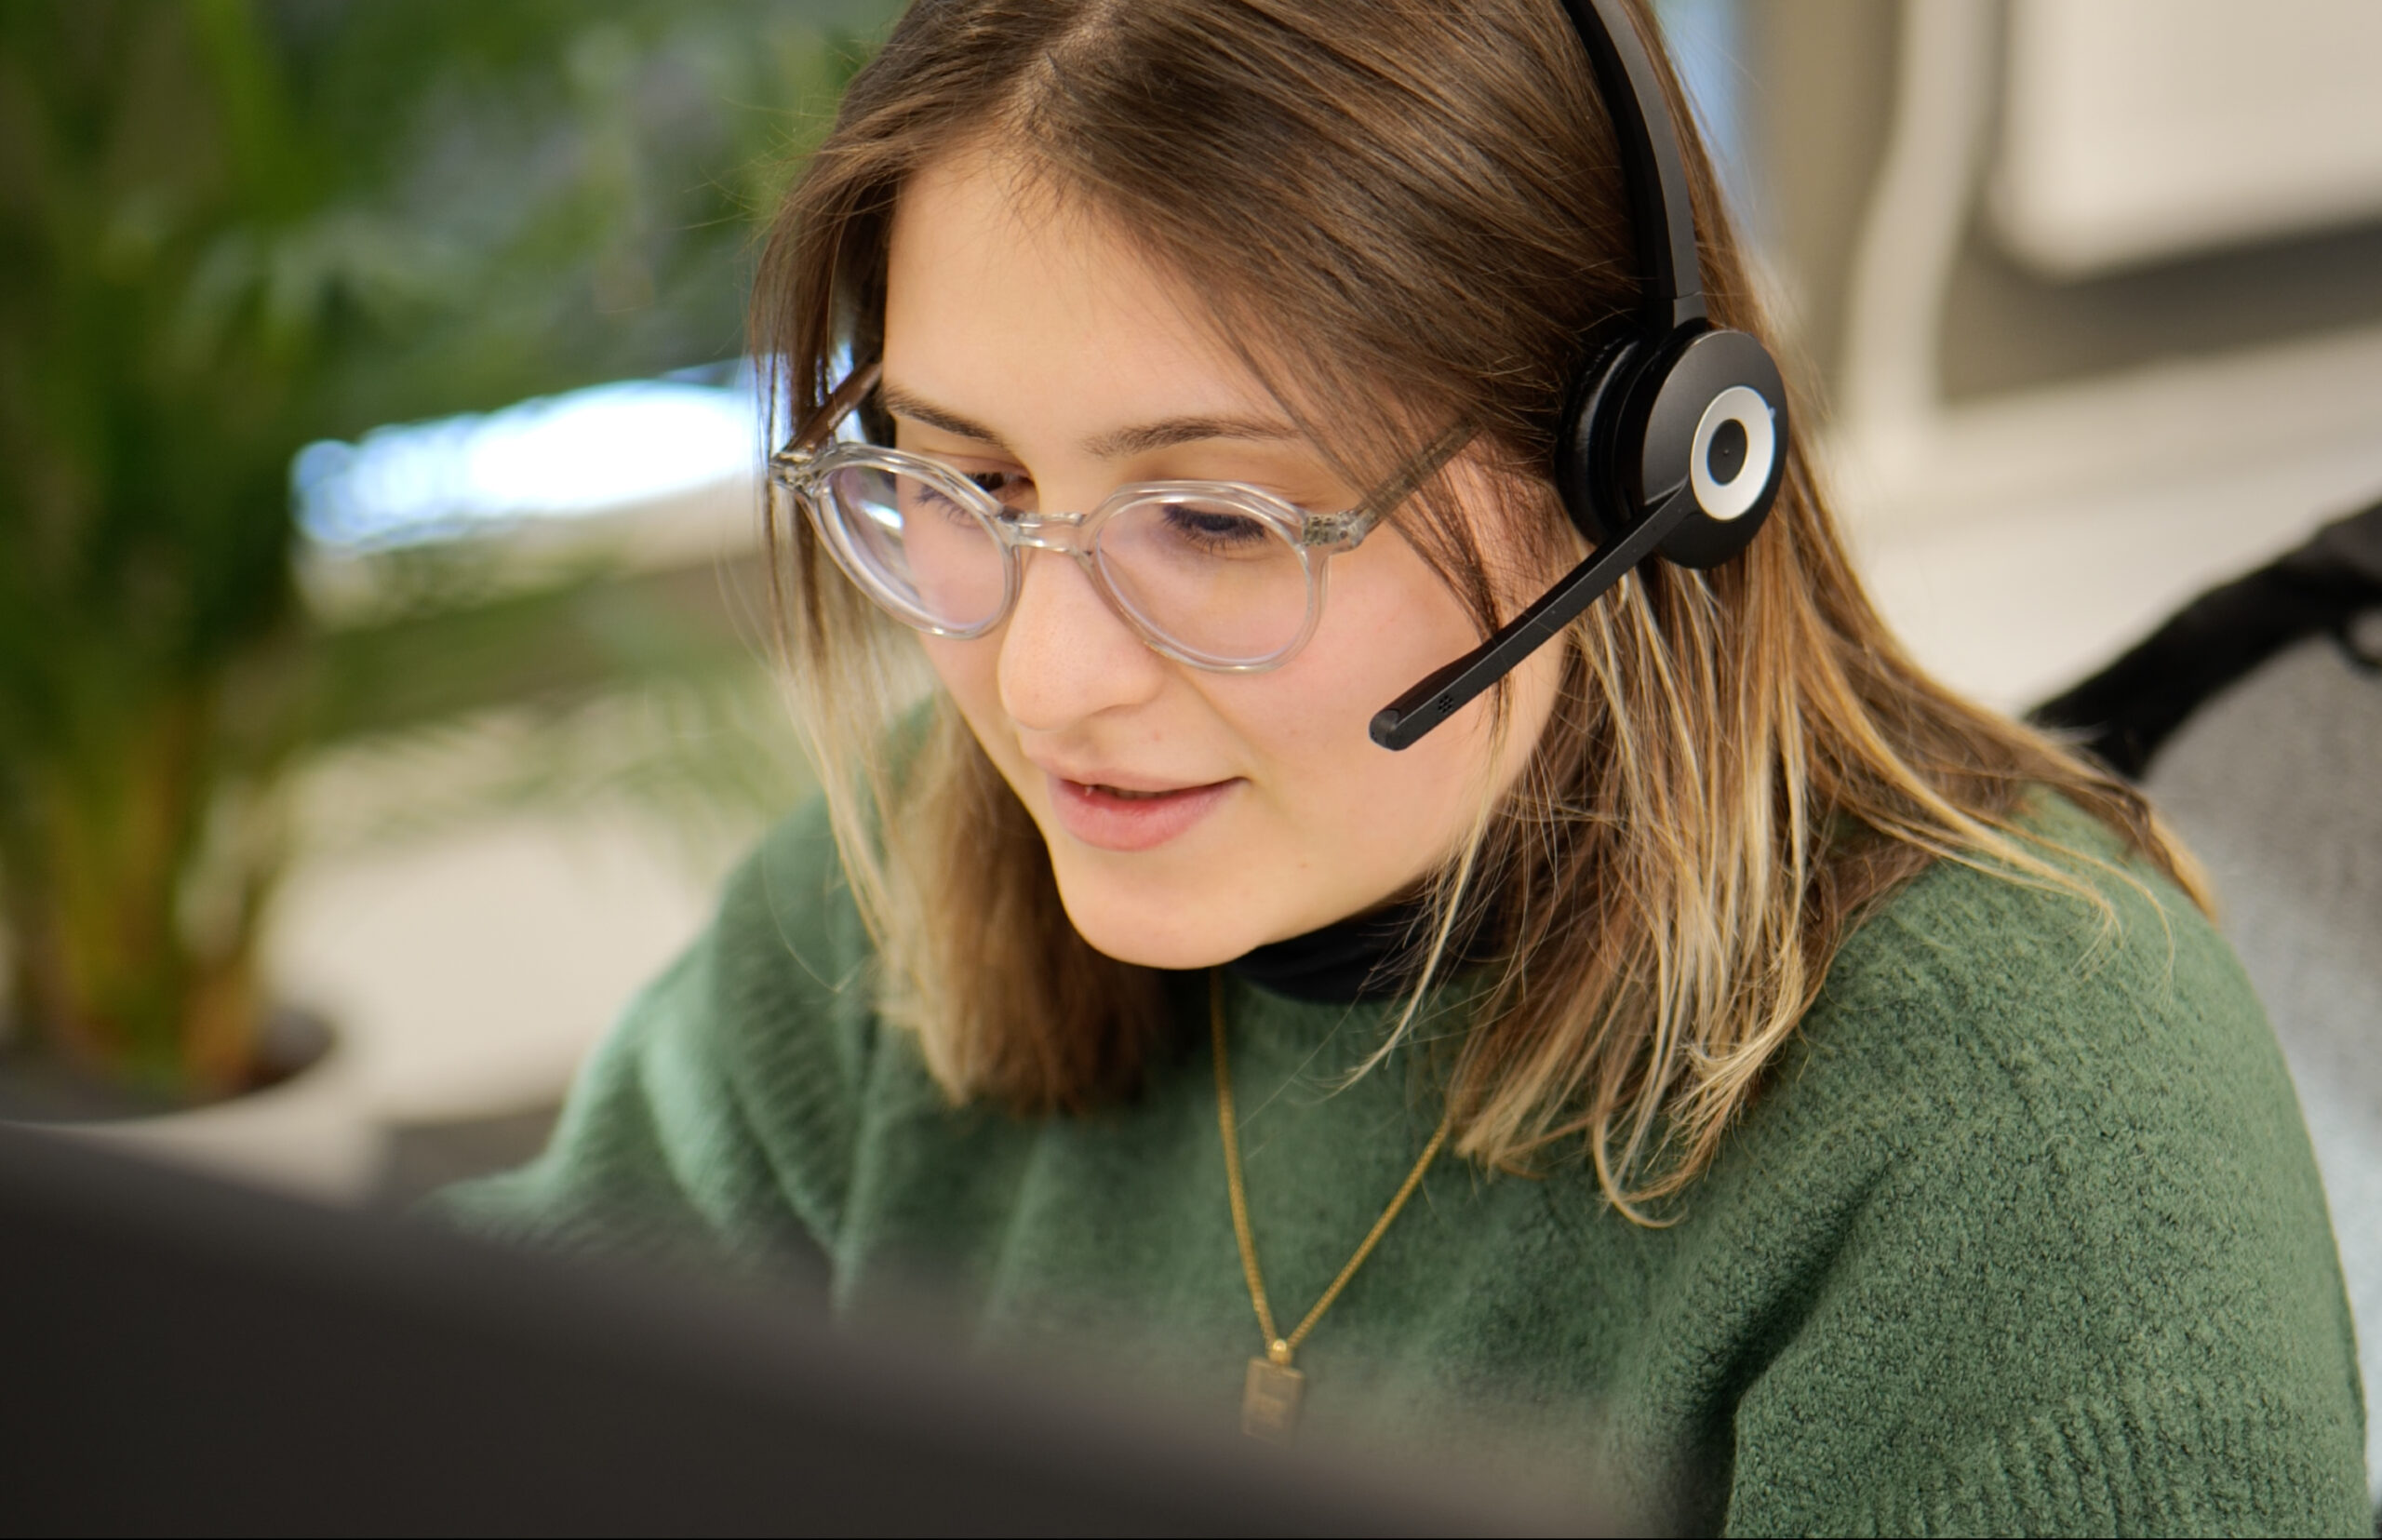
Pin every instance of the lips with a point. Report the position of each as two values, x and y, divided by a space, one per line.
1132 818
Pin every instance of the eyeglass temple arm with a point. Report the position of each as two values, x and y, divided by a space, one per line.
822 424
1408 481
1403 722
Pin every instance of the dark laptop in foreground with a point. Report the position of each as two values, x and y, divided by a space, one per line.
180 1355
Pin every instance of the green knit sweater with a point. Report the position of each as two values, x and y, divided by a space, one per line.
2023 1236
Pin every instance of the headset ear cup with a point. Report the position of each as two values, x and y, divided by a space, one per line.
1717 424
1707 410
1586 442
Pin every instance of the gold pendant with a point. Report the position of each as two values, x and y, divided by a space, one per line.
1269 1400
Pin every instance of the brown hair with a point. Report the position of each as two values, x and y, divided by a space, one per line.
1408 210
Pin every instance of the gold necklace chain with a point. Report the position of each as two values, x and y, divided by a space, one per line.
1269 1400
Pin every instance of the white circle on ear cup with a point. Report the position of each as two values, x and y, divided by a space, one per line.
1744 406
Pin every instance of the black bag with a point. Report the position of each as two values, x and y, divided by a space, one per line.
2125 712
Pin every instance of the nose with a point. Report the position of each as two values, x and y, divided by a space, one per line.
1066 655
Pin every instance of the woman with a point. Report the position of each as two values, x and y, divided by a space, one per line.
1711 1055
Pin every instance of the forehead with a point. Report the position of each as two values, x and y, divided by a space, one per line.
1019 308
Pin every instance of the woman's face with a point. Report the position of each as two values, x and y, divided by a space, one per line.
1191 815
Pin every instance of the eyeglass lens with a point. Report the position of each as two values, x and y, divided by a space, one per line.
927 554
1215 580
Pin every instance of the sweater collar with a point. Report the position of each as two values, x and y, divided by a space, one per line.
1363 960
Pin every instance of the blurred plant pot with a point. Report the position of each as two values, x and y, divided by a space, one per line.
306 1129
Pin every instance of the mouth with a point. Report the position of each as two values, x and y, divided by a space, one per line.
1133 818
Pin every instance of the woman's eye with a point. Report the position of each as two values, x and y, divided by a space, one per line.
1213 529
1008 487
928 495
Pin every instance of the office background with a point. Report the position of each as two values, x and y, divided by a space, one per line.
2088 297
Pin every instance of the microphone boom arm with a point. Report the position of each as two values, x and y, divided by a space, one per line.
1403 722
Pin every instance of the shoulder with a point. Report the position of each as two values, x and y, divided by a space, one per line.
2034 1202
773 1002
721 1112
788 944
2041 1000
2104 1031
780 1002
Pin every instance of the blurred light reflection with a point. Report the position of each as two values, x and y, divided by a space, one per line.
586 452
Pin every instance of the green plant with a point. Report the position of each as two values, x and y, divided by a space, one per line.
229 228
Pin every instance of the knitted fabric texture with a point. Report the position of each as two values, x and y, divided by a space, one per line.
2022 1236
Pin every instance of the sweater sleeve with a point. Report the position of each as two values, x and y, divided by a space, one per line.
2082 1281
714 1124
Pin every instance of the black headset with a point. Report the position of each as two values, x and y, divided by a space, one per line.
1674 433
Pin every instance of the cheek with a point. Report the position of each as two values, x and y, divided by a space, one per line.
1329 822
969 674
1387 623
969 671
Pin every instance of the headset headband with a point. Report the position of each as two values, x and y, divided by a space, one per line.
1662 218
1672 439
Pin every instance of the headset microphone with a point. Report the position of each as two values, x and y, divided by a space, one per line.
1674 434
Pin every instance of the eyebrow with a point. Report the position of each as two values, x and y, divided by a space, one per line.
1165 434
900 403
1140 438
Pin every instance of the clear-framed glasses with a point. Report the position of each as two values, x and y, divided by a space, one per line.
1217 574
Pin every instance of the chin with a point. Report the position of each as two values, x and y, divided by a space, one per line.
1158 926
